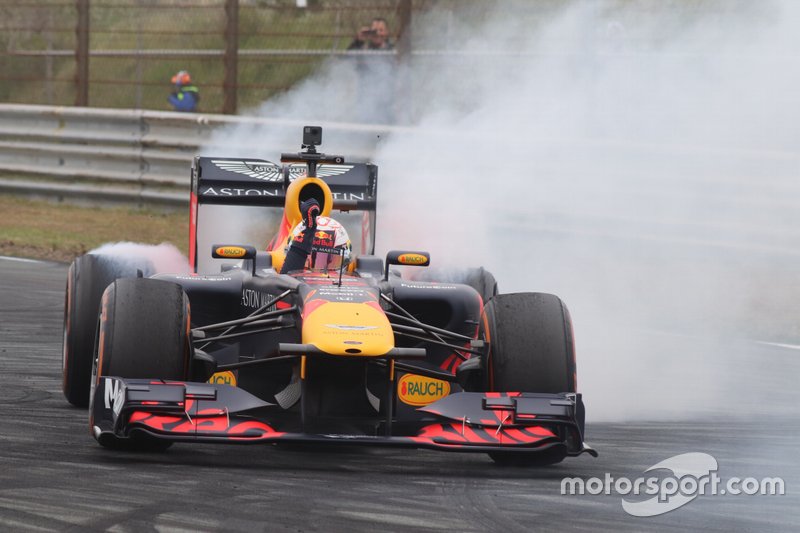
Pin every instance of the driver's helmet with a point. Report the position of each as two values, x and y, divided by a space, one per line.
330 249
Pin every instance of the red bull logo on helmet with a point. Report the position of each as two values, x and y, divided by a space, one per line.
324 238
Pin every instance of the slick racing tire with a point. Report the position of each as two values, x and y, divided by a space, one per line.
531 349
87 278
143 332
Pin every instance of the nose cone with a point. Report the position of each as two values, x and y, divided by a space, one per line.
349 329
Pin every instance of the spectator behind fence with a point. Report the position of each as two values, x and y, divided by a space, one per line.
376 74
186 96
373 37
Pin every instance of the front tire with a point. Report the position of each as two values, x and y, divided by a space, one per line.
531 349
144 332
87 278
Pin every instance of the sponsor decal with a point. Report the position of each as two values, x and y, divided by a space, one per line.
262 170
232 252
344 294
437 286
268 171
313 277
345 327
230 191
336 290
416 390
323 171
325 249
203 278
412 259
348 196
256 299
350 333
324 241
223 378
114 395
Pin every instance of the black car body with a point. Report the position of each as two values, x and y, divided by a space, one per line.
237 352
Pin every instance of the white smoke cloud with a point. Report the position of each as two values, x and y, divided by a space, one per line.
639 159
635 160
163 257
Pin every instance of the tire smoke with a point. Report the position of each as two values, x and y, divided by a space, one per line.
163 257
639 159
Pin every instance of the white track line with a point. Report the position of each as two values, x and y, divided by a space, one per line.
780 345
20 259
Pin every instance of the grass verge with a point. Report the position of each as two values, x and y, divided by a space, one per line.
40 229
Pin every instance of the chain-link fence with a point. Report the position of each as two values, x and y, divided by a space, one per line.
240 53
123 53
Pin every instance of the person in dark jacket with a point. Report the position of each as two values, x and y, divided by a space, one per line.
375 68
186 96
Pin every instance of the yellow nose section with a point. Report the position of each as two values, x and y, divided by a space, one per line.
349 329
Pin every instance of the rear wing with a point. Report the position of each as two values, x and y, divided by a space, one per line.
236 181
258 182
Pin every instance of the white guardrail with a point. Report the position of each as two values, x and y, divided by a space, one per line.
122 155
144 157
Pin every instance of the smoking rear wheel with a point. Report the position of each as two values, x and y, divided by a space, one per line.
482 281
143 333
530 350
88 276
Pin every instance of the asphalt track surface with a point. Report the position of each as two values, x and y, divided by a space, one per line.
53 476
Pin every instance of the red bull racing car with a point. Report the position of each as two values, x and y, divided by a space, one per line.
238 352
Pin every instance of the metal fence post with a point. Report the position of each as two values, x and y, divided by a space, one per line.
404 88
404 8
82 54
230 84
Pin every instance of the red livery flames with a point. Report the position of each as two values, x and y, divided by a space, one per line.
463 434
218 413
210 422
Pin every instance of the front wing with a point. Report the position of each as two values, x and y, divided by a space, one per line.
464 421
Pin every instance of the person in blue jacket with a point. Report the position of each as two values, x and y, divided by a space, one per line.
186 96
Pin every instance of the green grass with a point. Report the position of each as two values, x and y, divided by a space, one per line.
129 82
60 232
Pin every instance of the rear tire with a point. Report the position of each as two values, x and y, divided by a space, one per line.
143 333
482 281
88 277
531 349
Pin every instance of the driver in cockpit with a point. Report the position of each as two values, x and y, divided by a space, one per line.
317 243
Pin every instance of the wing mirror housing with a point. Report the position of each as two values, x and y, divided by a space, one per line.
236 251
232 251
407 258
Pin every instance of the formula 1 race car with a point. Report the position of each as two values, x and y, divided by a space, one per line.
238 352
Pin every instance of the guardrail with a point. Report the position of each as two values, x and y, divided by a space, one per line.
144 157
127 156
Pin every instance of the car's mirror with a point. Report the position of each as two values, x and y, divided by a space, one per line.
232 251
407 258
